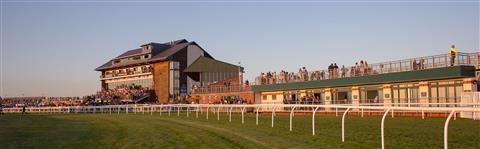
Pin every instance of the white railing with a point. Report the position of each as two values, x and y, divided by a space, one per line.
258 108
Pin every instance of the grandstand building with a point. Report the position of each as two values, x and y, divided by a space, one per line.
422 80
160 67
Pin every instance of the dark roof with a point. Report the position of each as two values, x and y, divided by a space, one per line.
109 64
130 53
170 51
160 51
204 64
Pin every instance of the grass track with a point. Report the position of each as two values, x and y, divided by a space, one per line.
146 131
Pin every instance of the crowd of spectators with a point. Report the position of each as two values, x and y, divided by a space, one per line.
103 97
42 101
123 93
333 71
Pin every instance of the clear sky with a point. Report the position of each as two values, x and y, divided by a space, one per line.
51 48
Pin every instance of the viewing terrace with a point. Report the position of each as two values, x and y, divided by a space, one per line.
412 64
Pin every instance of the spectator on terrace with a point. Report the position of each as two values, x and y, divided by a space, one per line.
452 54
414 64
330 71
322 75
335 70
344 71
362 68
421 63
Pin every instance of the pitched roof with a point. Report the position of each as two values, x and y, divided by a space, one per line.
161 51
204 64
131 52
168 52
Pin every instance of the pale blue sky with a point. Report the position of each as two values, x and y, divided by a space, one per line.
51 48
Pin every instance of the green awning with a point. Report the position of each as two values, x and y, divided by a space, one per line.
204 64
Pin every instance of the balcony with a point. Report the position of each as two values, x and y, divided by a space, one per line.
124 75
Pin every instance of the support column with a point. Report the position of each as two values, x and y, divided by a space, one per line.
424 94
355 97
328 98
387 95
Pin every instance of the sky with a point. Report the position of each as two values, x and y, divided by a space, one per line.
51 48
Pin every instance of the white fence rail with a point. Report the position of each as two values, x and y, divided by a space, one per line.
273 108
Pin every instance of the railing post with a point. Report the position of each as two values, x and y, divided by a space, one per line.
169 110
188 110
256 119
343 124
230 114
313 120
198 108
382 128
243 109
178 110
445 130
336 111
161 108
392 113
273 115
208 107
218 113
362 112
423 114
291 116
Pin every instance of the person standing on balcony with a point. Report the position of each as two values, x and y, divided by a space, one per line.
452 55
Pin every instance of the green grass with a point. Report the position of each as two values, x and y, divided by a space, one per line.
146 131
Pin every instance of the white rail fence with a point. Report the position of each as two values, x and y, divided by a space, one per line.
448 108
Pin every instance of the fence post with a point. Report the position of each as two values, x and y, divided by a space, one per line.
336 111
362 112
343 124
273 115
169 110
230 114
313 120
198 108
392 113
382 128
291 116
243 110
445 130
256 120
218 113
208 107
423 114
178 110
161 108
188 110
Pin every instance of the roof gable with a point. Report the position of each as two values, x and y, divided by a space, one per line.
204 64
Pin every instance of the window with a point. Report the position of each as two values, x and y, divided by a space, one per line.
274 97
146 56
264 97
116 61
136 58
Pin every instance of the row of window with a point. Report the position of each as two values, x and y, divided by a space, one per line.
143 82
438 92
